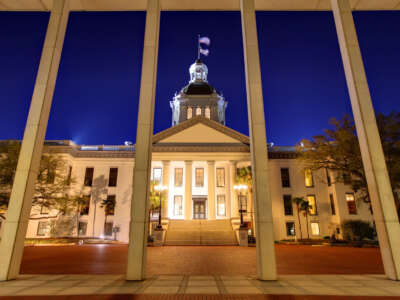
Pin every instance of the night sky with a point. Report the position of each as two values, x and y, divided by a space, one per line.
97 91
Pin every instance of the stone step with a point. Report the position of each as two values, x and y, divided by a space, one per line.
200 232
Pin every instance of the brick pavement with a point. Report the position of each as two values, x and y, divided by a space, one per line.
200 260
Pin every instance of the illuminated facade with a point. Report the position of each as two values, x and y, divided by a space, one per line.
197 160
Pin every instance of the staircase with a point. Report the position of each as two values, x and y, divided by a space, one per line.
200 232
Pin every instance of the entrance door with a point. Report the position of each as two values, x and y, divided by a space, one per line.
199 208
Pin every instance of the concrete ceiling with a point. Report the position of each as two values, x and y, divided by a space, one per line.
120 5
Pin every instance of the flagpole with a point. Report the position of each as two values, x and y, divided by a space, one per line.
198 46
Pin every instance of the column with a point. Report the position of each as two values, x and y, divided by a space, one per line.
136 265
234 200
188 190
166 177
12 242
266 267
379 187
211 189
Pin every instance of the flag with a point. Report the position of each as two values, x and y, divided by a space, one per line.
204 51
205 40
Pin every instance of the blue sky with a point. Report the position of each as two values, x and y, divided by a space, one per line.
97 91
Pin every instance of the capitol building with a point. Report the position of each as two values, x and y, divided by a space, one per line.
197 159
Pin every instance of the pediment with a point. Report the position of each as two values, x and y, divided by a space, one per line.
200 130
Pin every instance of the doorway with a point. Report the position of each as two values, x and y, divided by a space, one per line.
199 208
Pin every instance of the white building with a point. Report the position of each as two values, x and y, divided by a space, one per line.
197 159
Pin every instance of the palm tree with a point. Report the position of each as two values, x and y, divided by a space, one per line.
306 207
244 176
299 202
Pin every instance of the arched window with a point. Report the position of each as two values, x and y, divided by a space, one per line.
207 113
198 111
189 113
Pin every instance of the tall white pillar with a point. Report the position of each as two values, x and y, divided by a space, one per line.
188 190
166 176
136 265
234 201
266 266
380 191
211 189
12 241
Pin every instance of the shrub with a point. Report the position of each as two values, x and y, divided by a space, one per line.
357 230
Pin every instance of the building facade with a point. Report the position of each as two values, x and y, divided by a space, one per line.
197 160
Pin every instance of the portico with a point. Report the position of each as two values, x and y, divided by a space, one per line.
381 196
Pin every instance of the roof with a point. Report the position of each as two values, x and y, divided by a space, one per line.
198 88
123 5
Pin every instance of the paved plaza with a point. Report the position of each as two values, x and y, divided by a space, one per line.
200 260
341 285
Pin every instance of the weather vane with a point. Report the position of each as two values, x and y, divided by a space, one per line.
203 40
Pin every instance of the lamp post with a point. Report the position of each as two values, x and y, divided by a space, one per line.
160 189
240 188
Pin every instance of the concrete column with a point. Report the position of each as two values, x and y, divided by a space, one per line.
211 189
136 265
266 266
166 178
234 201
380 191
12 242
188 190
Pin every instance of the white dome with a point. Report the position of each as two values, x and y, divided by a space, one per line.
198 71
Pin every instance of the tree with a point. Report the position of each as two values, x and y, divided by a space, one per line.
338 150
244 176
298 201
52 188
358 230
305 207
109 205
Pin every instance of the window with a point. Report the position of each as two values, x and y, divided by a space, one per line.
198 111
157 175
312 202
199 177
82 228
346 178
85 205
287 203
51 175
314 228
328 178
89 176
109 209
220 177
285 177
221 209
178 178
178 211
308 178
332 204
43 228
108 229
112 179
44 210
189 113
351 204
207 113
69 175
290 229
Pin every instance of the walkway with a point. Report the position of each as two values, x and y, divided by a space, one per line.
344 285
200 260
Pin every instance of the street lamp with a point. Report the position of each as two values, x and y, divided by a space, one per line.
159 189
240 188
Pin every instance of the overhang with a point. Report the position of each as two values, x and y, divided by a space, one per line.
132 5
